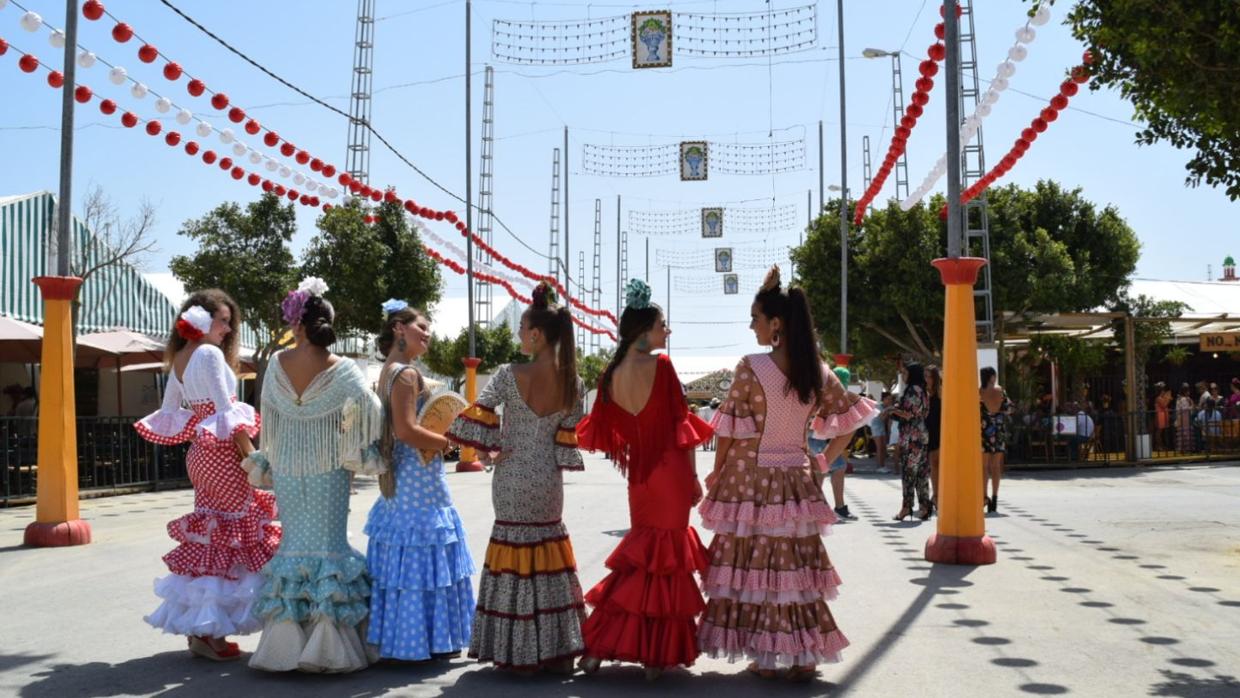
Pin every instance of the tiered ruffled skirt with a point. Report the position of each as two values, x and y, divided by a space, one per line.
770 576
646 610
530 605
421 601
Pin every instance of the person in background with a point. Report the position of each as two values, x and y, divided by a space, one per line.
1162 415
837 469
1232 410
934 388
1184 420
914 462
996 408
878 430
1084 429
706 413
1210 423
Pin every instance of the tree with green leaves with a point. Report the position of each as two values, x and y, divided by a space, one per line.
245 251
494 346
590 367
366 264
1051 251
1178 63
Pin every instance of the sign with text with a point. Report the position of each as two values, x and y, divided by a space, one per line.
1220 341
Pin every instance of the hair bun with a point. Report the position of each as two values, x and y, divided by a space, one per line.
543 296
771 282
321 333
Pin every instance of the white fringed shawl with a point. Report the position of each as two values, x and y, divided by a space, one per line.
336 423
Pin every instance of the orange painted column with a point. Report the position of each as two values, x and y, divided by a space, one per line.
56 514
469 458
960 538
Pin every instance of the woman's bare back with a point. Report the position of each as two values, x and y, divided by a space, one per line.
633 382
539 387
992 398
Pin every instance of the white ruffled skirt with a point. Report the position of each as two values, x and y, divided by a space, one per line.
206 606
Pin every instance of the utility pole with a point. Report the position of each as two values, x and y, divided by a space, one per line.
843 192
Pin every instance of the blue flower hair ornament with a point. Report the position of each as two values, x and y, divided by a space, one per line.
393 305
637 295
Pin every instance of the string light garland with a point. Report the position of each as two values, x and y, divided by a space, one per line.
972 124
928 68
1067 90
664 159
751 220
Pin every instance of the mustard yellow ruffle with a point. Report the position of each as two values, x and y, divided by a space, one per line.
482 415
566 438
544 558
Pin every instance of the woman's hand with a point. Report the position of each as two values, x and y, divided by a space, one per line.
697 491
711 479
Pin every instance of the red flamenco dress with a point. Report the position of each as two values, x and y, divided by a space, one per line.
646 609
223 544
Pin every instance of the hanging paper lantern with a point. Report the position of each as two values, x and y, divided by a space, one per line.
1026 35
285 172
989 97
1080 75
311 186
227 136
1069 89
55 79
226 163
252 127
287 149
118 75
1029 134
1059 102
332 193
256 158
172 71
122 32
1042 15
999 84
460 225
129 119
920 99
943 12
267 185
236 115
1006 69
184 117
239 149
940 31
299 179
138 90
237 173
203 129
937 52
56 39
219 100
1048 115
191 148
928 68
108 107
31 21
271 165
376 196
86 59
195 87
279 190
1039 125
92 9
329 171
271 138
316 165
172 138
908 121
82 94
368 220
153 128
28 63
302 157
915 110
163 105
902 132
292 194
327 207
345 180
148 53
253 179
1018 53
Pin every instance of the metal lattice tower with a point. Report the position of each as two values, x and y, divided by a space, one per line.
596 293
897 103
624 261
553 249
581 274
483 308
357 159
972 167
867 169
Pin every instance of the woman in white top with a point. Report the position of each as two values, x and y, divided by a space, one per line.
226 540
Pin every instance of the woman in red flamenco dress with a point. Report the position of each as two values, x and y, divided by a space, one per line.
646 609
213 578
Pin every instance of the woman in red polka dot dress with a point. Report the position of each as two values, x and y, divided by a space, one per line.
226 540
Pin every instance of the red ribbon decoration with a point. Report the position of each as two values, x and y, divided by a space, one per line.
187 331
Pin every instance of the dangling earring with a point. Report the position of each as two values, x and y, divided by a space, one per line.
642 343
775 339
401 345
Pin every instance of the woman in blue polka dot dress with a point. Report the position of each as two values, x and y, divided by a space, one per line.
422 601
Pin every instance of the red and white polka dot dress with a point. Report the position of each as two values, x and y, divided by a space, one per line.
230 535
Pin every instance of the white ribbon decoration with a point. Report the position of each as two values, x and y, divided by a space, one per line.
969 128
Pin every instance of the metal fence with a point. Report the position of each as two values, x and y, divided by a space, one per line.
1196 436
111 457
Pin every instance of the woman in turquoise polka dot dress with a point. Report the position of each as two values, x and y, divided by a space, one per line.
321 421
422 603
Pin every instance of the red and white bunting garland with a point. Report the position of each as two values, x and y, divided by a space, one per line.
917 103
1025 35
1068 89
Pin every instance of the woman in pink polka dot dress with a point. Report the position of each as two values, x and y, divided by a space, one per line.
224 543
770 577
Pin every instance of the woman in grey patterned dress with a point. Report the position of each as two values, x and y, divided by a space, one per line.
530 606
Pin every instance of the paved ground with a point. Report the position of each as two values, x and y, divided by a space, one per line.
1117 582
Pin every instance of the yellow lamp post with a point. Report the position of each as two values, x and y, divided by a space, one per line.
56 514
469 458
961 534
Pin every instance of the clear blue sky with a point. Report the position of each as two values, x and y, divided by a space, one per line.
418 105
